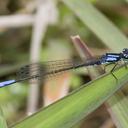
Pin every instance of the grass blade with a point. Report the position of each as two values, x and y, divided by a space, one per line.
2 120
74 107
98 24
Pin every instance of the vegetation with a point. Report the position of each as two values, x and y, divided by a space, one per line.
101 24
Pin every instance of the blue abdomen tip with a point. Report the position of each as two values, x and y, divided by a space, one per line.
5 83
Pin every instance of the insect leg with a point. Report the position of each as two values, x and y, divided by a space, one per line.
106 66
113 70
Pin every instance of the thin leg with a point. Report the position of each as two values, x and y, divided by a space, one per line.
113 70
106 66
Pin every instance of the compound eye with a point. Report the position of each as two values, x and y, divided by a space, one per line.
125 52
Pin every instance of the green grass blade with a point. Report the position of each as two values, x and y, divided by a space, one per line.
98 24
2 120
74 107
118 107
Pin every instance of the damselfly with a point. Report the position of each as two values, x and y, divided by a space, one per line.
41 70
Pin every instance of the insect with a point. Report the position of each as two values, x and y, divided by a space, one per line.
40 70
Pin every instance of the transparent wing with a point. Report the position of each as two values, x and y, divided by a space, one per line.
50 68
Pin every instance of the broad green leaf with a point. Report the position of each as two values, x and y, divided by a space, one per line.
77 105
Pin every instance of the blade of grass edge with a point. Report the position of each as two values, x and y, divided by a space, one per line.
74 107
2 120
118 104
